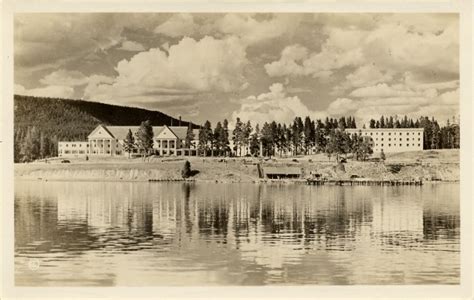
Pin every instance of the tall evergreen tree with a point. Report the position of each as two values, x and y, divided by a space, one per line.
129 143
237 136
189 137
225 140
144 137
205 137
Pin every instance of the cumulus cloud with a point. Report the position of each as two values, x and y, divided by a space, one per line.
385 100
191 66
177 25
365 75
382 90
131 46
52 91
250 30
275 105
64 78
289 63
391 45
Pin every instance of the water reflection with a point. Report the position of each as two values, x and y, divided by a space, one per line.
183 234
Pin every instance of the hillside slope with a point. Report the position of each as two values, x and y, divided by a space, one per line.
52 119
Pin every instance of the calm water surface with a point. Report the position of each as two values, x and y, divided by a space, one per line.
148 234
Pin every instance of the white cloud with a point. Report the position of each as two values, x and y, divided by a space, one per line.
342 107
390 45
206 65
289 63
52 91
177 25
132 46
366 75
273 106
382 90
250 30
64 78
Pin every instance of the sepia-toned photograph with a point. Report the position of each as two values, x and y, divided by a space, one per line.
236 149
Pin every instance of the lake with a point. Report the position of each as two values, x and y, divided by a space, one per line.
174 234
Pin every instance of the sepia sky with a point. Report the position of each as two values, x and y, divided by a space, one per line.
261 67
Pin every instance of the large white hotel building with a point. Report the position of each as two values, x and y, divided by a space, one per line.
392 139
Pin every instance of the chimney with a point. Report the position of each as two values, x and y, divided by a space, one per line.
179 121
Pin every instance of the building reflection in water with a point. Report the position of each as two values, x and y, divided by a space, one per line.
271 226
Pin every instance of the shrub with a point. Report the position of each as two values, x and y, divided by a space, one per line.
186 172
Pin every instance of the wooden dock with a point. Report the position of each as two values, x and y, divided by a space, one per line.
171 180
368 182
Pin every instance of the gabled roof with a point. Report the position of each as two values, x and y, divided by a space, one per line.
100 126
120 132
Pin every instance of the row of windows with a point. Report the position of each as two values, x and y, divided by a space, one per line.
74 145
72 152
390 145
395 139
390 133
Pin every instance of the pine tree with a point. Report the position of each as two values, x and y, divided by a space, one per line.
186 172
255 141
129 142
188 141
205 137
246 131
144 137
225 140
237 136
372 123
218 138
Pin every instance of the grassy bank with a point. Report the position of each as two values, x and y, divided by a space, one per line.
442 165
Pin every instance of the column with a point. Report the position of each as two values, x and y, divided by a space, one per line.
175 147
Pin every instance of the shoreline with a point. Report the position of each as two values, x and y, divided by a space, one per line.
432 166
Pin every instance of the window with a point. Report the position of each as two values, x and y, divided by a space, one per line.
418 145
418 138
376 144
389 133
408 145
66 145
108 152
389 139
389 145
381 133
371 133
408 133
381 139
381 145
419 133
408 139
400 133
400 145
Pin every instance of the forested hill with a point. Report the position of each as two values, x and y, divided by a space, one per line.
53 119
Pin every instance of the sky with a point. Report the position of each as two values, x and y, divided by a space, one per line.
259 67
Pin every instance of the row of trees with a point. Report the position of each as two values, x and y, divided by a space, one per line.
30 144
299 137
